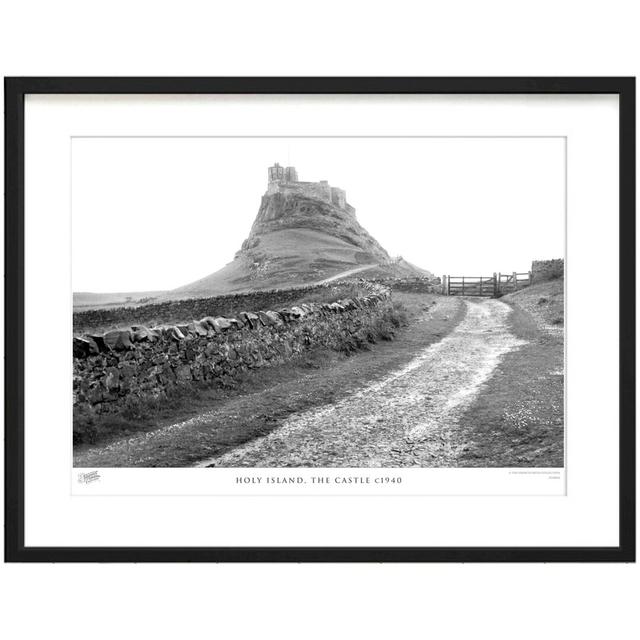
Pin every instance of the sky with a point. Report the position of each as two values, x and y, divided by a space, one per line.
152 214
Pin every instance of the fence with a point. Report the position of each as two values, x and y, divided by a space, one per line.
497 284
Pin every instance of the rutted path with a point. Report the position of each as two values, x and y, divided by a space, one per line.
406 419
346 274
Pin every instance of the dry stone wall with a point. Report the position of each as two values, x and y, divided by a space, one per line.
121 366
175 311
415 285
543 270
411 285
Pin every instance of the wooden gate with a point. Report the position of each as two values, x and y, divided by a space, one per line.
497 284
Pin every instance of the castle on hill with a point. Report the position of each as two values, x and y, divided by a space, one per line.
285 180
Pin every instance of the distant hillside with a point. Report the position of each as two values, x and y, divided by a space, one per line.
304 232
86 299
543 300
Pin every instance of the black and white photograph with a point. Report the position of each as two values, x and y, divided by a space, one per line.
320 319
324 301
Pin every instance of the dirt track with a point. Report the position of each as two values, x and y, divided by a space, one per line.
405 419
346 274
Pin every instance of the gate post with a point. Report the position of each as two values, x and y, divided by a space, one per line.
515 281
495 284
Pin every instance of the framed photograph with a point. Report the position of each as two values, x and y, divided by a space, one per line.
320 319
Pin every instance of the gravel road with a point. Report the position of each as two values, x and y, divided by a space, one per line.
408 418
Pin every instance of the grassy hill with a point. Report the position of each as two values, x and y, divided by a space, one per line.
544 301
298 240
294 240
279 259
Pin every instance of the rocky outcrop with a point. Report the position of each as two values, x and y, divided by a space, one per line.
281 211
304 232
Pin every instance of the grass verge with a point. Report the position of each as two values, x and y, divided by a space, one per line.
544 301
518 421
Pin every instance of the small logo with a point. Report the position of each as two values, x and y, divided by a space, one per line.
89 476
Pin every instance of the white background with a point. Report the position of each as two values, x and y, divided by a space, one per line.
457 38
195 199
586 516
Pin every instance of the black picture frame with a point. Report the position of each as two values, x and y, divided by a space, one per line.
15 91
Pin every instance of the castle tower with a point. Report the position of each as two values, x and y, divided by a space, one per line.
276 173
